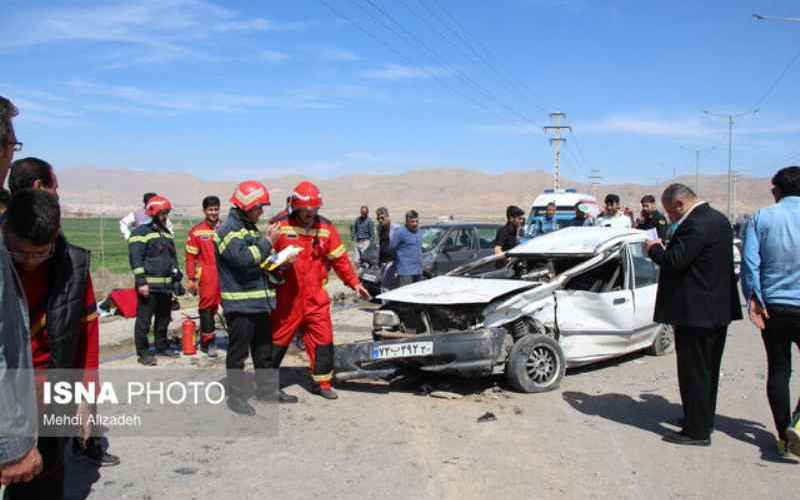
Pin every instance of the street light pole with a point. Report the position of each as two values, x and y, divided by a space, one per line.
697 152
731 117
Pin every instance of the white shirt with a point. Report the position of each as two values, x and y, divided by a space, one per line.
617 220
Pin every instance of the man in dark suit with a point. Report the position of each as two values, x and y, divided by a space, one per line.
697 294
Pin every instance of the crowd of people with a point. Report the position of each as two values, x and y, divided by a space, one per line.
271 288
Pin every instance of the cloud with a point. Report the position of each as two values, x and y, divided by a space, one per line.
273 56
391 72
337 55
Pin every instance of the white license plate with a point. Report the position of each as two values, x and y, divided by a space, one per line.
404 350
369 277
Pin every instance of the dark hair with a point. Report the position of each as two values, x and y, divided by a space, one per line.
34 215
382 211
677 190
7 112
364 206
412 214
513 211
648 198
146 197
26 171
611 198
787 180
211 201
5 196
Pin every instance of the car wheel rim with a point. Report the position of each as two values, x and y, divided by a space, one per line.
665 340
541 365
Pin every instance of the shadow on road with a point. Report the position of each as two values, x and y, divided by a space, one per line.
651 411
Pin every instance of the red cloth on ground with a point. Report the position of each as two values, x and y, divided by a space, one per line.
125 300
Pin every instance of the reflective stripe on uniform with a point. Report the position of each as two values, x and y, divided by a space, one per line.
256 253
151 236
158 280
222 245
337 252
192 250
255 294
138 270
322 378
89 318
318 232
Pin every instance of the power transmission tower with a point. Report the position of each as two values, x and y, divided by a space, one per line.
594 180
555 130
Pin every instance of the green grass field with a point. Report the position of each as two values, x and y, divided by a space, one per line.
109 250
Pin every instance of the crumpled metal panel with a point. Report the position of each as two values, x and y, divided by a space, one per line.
575 241
450 290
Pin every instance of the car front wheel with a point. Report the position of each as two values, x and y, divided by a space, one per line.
536 364
664 342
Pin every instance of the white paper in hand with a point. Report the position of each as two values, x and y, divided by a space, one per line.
280 258
652 234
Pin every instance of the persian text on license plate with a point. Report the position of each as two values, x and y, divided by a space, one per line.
404 350
369 277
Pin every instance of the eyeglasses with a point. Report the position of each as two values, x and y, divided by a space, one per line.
17 146
33 257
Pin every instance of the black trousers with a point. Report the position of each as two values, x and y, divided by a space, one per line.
50 483
160 306
207 325
248 333
699 356
782 330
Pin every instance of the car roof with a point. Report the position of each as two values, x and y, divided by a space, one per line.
563 199
576 240
446 225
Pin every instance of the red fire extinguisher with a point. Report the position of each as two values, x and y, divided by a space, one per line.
189 330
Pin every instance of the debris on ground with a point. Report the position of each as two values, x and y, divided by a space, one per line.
451 460
517 410
487 417
445 395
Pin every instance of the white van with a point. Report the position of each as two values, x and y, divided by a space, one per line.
565 200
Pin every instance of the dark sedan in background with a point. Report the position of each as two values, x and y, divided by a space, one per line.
445 247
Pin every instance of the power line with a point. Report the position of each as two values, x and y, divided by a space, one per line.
774 85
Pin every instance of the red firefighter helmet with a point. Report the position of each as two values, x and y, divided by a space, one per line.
156 205
250 194
306 195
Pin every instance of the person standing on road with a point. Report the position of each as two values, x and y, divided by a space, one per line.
138 218
386 228
201 271
771 287
548 224
63 319
406 245
507 237
247 296
697 295
20 460
154 261
614 215
651 218
303 303
362 232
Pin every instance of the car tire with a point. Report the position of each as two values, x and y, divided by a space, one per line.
663 343
536 364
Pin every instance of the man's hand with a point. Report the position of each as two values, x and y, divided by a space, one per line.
23 470
144 290
362 292
83 413
651 243
758 314
191 286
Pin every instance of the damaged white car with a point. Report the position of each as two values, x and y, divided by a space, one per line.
568 298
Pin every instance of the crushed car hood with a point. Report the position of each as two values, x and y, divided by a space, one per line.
450 290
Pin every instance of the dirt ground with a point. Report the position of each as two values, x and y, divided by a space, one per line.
598 436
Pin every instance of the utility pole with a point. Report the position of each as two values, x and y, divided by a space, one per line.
594 181
555 141
733 192
731 187
697 152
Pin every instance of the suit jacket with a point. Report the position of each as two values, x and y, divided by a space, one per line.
696 284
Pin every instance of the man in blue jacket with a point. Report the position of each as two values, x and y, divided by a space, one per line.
406 244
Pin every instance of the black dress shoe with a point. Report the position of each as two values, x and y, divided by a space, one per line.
285 397
241 406
268 397
680 438
94 452
168 353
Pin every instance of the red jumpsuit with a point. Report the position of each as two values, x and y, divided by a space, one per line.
201 265
303 302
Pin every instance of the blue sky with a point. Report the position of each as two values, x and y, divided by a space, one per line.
239 89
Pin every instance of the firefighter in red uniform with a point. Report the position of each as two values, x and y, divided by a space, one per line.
201 270
303 303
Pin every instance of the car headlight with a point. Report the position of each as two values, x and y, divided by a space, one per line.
385 319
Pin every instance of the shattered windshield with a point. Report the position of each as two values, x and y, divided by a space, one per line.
431 236
530 268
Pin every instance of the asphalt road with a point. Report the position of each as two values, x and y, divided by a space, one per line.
598 436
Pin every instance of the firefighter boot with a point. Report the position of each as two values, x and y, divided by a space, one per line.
278 353
325 390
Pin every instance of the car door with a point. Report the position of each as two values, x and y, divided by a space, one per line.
645 285
456 248
485 239
595 317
